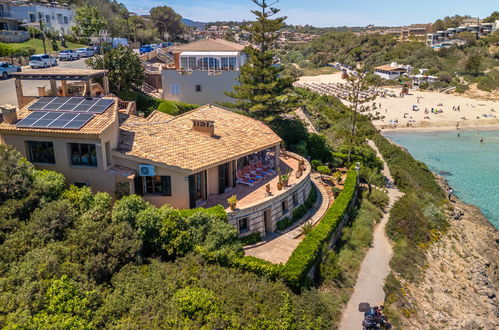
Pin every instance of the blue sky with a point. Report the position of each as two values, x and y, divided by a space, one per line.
326 12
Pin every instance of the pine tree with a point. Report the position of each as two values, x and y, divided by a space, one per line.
262 91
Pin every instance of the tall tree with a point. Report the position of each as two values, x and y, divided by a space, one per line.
88 21
125 69
473 63
358 84
261 90
167 21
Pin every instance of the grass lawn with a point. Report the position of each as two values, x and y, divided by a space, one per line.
37 44
318 71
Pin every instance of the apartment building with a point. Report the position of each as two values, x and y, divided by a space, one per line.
449 37
10 30
54 17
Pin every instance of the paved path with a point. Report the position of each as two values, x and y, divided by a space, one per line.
374 268
310 127
279 247
8 91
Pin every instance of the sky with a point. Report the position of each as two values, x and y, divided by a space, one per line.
325 13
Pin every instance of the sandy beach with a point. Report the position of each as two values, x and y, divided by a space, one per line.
449 111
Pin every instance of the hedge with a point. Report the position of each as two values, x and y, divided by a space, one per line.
217 211
303 257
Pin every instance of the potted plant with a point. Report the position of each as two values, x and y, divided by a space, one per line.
337 176
232 200
284 178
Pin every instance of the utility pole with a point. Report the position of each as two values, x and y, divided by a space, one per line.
43 35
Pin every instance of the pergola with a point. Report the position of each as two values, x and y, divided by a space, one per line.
59 74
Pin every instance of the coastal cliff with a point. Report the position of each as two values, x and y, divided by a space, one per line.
458 288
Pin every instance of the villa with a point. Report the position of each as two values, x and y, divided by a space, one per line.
197 159
203 70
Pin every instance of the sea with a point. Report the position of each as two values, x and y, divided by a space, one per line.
470 167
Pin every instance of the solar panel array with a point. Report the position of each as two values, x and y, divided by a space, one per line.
63 112
72 104
48 119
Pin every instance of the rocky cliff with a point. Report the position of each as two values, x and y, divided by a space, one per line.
460 284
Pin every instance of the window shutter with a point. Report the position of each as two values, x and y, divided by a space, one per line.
166 185
139 189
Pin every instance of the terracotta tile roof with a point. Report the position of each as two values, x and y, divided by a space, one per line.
95 126
158 116
209 45
174 143
122 171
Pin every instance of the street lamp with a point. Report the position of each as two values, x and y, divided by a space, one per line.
166 29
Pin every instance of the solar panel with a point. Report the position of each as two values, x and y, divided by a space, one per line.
49 119
72 104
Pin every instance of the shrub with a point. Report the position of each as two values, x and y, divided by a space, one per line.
168 107
318 148
298 212
284 223
324 170
303 257
378 198
316 163
252 238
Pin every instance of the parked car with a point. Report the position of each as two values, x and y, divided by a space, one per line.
85 52
146 49
68 54
6 69
42 61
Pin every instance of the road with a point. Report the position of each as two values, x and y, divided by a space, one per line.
375 266
8 91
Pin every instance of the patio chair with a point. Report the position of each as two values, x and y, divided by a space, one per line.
247 171
260 171
241 179
267 169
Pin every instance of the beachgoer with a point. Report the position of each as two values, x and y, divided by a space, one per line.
449 193
458 134
481 141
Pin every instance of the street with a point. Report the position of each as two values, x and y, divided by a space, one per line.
8 91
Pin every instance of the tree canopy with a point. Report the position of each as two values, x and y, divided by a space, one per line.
125 68
167 21
89 21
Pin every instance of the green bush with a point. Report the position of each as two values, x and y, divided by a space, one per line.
304 256
316 163
378 198
298 212
168 107
15 51
318 148
252 238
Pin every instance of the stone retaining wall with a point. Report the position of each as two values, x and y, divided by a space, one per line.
292 196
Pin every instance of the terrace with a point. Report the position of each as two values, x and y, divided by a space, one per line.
250 196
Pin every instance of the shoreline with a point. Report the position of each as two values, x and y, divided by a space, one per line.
443 128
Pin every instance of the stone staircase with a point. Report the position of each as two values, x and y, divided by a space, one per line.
164 56
151 91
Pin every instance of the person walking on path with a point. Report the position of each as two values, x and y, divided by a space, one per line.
375 266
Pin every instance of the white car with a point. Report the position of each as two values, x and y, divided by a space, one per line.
68 54
42 61
85 52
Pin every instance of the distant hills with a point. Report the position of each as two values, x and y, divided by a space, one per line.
192 23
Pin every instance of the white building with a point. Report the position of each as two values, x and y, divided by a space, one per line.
391 71
54 18
449 37
203 71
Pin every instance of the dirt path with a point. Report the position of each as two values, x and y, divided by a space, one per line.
374 268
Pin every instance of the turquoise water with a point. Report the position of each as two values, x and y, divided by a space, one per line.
472 168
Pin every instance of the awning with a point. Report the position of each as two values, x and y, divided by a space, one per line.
209 54
122 171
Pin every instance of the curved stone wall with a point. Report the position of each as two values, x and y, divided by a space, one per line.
262 216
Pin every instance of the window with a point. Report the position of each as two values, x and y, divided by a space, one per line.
83 154
284 207
41 152
65 20
32 18
295 199
157 185
198 88
81 184
47 18
175 89
243 225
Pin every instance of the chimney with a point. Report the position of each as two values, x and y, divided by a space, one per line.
204 126
9 113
